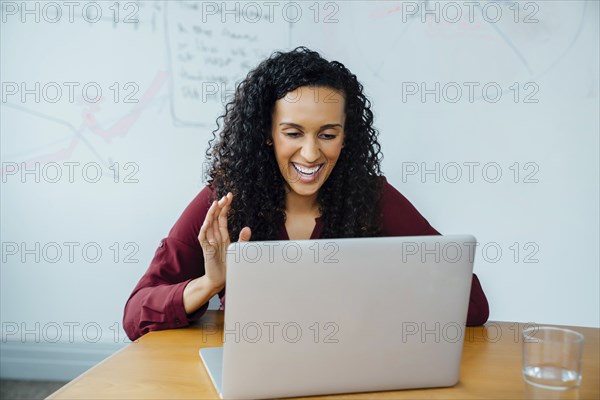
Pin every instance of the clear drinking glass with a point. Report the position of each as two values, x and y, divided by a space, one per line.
552 357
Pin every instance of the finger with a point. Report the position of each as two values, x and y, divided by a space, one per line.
223 221
223 224
215 226
245 234
210 237
203 229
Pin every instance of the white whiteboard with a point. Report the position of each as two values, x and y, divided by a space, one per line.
537 222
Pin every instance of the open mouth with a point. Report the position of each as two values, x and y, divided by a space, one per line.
307 171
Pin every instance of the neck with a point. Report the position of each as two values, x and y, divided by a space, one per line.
297 204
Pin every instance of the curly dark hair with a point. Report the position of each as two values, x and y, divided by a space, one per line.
242 163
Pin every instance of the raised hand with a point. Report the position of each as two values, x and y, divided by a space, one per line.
214 240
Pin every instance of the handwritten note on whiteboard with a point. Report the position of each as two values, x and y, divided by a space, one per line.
210 51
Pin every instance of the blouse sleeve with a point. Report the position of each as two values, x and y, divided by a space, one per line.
401 218
156 302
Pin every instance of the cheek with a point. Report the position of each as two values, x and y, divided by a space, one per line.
333 153
283 152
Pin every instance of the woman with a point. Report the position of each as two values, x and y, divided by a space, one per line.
297 158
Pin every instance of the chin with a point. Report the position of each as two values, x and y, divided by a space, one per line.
304 190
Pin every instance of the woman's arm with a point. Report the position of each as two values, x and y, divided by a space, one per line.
401 218
157 302
479 310
188 269
198 292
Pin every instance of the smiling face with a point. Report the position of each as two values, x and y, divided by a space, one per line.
308 136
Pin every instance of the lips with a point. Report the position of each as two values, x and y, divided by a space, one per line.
308 171
307 174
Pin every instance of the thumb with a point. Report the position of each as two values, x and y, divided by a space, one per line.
245 234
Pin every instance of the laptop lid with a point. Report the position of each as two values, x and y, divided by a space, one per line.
212 357
345 315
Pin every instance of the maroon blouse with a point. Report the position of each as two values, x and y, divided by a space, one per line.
157 301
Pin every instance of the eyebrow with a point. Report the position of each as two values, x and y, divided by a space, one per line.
326 126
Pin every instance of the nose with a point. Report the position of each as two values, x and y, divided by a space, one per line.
310 150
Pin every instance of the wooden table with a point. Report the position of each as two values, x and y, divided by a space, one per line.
165 364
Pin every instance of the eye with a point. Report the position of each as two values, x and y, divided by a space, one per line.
293 134
328 136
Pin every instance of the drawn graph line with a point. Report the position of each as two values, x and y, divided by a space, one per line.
120 128
386 56
47 117
61 154
570 46
511 45
519 55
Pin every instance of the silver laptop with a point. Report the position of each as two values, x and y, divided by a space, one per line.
332 316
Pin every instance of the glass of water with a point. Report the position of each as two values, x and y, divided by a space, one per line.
552 357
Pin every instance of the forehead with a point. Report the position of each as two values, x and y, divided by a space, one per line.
311 106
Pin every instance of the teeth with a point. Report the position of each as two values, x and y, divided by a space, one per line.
306 171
